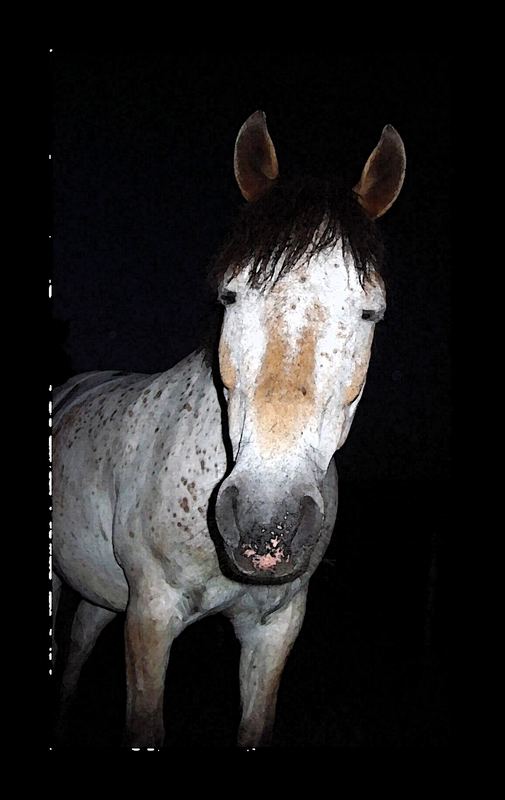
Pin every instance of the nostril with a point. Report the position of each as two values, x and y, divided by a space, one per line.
230 495
227 513
311 519
307 503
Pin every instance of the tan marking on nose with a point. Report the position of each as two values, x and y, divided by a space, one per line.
357 379
284 397
228 373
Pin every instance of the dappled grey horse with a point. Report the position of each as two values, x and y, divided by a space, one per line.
212 487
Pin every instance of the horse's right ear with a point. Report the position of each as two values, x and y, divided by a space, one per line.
255 161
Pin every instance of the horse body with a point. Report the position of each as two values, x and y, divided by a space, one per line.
131 501
136 467
209 489
134 487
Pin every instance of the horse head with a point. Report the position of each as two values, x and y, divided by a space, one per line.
302 293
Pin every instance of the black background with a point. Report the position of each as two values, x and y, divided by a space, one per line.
142 195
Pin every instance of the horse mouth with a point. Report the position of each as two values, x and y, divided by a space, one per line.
266 561
269 563
267 571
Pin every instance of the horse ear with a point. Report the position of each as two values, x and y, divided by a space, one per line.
382 177
255 161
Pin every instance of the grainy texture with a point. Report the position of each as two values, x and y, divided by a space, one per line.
153 517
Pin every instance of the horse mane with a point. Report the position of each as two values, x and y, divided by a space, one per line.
292 223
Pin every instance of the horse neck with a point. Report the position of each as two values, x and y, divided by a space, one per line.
191 381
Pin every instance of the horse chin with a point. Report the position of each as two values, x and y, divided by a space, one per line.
241 568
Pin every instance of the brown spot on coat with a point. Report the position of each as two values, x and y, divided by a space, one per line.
184 504
227 369
359 374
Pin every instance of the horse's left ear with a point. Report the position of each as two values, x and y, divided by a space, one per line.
382 177
255 161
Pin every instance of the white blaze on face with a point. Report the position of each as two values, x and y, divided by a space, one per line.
294 359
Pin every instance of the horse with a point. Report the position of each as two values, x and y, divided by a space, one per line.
212 487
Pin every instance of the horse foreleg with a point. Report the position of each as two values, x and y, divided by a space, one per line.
88 623
264 650
151 626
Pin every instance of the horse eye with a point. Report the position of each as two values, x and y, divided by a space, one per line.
372 316
227 298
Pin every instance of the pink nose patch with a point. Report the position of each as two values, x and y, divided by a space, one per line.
268 560
274 555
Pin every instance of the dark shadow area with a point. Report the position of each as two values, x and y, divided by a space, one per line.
61 363
143 197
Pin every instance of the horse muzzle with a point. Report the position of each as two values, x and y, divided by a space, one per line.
267 542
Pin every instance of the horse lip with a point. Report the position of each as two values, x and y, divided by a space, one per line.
267 576
282 572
